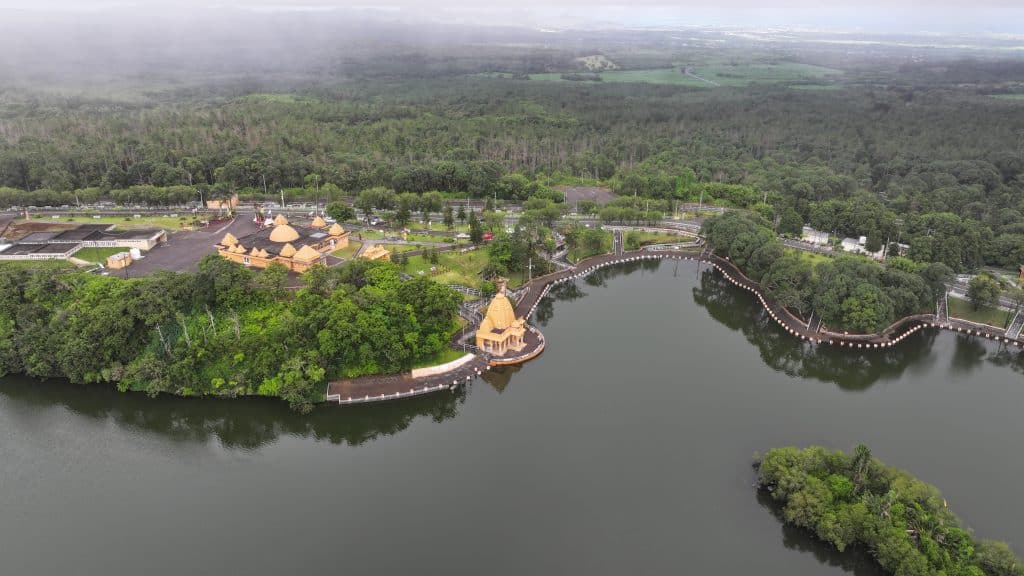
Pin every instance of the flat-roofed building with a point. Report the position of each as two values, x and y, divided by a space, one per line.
38 251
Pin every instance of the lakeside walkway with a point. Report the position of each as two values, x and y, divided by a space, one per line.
377 388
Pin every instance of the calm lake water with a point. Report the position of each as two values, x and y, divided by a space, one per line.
624 449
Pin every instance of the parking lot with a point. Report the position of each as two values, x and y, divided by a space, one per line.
183 250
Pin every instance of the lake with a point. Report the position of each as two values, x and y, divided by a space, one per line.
626 448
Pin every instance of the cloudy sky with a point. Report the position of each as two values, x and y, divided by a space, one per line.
943 16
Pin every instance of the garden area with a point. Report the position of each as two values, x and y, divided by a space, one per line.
349 251
984 314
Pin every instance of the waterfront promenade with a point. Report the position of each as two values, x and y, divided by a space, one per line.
377 388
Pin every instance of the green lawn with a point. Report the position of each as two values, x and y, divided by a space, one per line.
993 316
399 248
121 221
441 228
348 251
813 258
579 253
1009 96
368 234
445 356
36 265
452 267
97 255
646 238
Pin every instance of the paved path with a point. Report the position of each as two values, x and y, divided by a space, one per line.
395 386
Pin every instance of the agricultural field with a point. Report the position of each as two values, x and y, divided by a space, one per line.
714 75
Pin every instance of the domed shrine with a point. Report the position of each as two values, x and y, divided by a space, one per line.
501 332
297 247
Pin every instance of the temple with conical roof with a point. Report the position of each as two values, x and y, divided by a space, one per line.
297 247
501 332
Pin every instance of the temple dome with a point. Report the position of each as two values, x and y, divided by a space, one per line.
500 313
318 222
280 220
336 230
306 254
283 233
229 240
288 251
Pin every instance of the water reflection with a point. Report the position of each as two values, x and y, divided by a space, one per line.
856 561
500 376
239 423
252 423
849 370
735 309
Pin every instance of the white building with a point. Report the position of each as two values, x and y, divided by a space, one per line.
812 236
856 245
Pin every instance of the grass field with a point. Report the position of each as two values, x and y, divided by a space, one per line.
121 221
36 265
98 255
452 267
577 254
646 238
811 257
993 316
714 75
458 268
445 356
348 251
399 248
1009 96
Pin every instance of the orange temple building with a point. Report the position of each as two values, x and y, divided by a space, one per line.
501 332
297 247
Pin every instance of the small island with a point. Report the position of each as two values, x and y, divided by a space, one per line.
855 500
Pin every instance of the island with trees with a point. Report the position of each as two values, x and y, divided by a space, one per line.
854 500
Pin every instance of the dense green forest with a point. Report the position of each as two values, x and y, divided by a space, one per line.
850 292
855 500
224 331
937 167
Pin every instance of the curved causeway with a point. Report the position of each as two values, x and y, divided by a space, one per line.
381 388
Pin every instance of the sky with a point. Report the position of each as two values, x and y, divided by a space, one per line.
885 16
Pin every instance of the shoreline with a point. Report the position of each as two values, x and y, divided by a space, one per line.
539 288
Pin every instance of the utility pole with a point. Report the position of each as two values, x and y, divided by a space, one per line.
282 198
